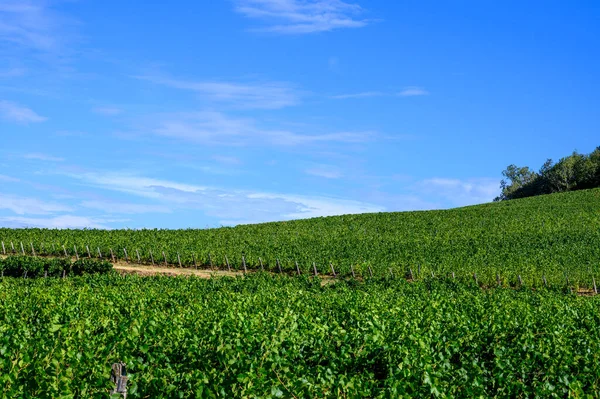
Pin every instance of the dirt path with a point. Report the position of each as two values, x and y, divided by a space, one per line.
171 271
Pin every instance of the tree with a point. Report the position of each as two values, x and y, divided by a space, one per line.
517 178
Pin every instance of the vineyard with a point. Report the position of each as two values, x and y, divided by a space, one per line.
483 301
552 239
270 336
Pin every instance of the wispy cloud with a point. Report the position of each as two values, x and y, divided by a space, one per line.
107 111
26 205
460 192
124 207
227 160
8 179
364 94
252 95
211 127
231 206
326 171
302 16
43 157
413 91
16 113
57 222
33 25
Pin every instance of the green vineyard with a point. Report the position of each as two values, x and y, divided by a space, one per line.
553 238
266 336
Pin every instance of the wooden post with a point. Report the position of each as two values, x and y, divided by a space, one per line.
227 263
315 268
3 249
112 255
118 376
210 261
332 269
87 247
544 280
137 252
99 253
22 249
352 270
297 268
65 251
76 254
475 278
64 273
411 273
370 271
126 256
152 257
520 280
432 275
261 264
453 276
164 257
278 265
32 249
391 273
244 263
194 259
419 269
12 246
594 282
179 259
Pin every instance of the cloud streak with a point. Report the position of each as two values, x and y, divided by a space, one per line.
253 95
230 206
216 128
16 113
302 16
43 157
413 91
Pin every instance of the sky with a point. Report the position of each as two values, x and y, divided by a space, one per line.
195 114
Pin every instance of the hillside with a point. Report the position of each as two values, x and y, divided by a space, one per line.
553 235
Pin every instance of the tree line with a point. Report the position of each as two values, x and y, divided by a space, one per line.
574 172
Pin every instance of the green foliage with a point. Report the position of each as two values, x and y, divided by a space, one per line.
31 267
575 172
556 235
267 336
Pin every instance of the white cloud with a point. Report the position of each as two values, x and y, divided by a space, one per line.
25 205
27 23
302 16
364 94
255 95
107 111
8 179
326 171
124 207
17 113
58 222
459 192
210 127
228 205
43 157
413 91
227 160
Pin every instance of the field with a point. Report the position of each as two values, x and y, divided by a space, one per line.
444 314
554 236
274 336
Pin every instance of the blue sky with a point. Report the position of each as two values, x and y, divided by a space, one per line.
206 113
